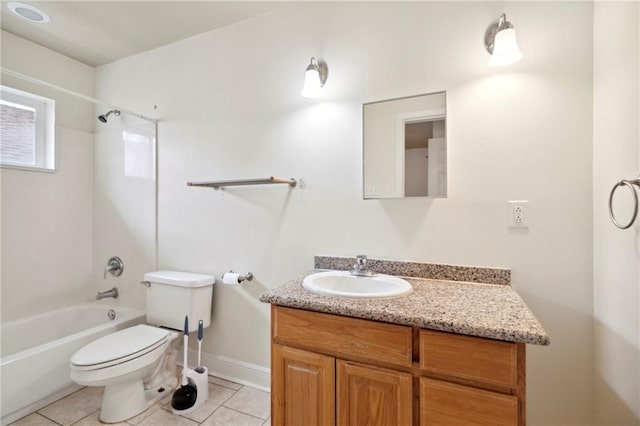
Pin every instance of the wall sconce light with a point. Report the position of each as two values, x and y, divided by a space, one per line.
314 79
500 42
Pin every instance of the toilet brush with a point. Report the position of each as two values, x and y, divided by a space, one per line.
199 368
185 396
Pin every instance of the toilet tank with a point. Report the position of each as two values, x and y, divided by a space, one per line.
171 295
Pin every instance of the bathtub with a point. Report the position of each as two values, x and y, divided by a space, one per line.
35 353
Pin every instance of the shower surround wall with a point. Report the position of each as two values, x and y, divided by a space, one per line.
230 107
47 217
124 203
59 229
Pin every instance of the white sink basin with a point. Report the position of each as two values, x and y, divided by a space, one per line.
343 284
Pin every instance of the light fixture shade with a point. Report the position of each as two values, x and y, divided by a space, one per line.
505 48
314 79
312 85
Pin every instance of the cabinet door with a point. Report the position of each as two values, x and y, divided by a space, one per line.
445 404
373 396
303 386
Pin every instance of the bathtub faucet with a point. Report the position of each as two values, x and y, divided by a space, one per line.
115 266
109 293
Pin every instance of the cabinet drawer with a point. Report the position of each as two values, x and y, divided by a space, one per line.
470 358
443 403
346 337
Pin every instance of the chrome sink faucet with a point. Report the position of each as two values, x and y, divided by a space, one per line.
109 293
361 267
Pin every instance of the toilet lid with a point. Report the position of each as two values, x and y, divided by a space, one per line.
124 343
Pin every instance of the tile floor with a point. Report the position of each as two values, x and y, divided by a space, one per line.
229 404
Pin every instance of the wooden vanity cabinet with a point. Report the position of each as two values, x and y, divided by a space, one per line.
330 369
445 403
367 395
304 393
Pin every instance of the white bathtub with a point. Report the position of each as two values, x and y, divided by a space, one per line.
34 362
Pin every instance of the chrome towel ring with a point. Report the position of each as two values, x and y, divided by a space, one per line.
629 183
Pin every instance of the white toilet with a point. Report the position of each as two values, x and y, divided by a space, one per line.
137 365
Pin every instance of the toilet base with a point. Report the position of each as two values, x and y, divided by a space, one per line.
124 401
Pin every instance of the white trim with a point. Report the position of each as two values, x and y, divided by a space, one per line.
27 169
44 126
234 370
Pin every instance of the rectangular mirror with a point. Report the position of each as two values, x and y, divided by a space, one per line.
405 147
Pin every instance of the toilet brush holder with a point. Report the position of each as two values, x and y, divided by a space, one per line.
201 382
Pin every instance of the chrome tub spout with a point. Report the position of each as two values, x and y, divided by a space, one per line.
109 293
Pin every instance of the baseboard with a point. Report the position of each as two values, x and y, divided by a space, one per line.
234 370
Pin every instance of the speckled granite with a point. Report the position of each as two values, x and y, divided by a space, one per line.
484 310
421 270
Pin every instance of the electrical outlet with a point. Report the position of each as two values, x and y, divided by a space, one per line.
517 213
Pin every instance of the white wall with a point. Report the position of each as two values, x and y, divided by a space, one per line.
31 59
47 217
230 107
60 229
615 153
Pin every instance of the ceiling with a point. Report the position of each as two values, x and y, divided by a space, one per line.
100 32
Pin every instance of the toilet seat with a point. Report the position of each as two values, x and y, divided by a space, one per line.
119 347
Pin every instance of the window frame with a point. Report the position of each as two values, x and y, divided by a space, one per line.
44 127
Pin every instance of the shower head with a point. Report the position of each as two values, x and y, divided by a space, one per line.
103 117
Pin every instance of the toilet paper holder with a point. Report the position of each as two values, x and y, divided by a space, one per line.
231 277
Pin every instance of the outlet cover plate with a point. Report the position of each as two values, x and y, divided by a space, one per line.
518 213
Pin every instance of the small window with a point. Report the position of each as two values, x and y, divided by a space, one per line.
26 130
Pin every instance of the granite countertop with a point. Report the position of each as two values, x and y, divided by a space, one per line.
493 311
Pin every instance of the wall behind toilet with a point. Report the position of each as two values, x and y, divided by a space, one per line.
229 107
